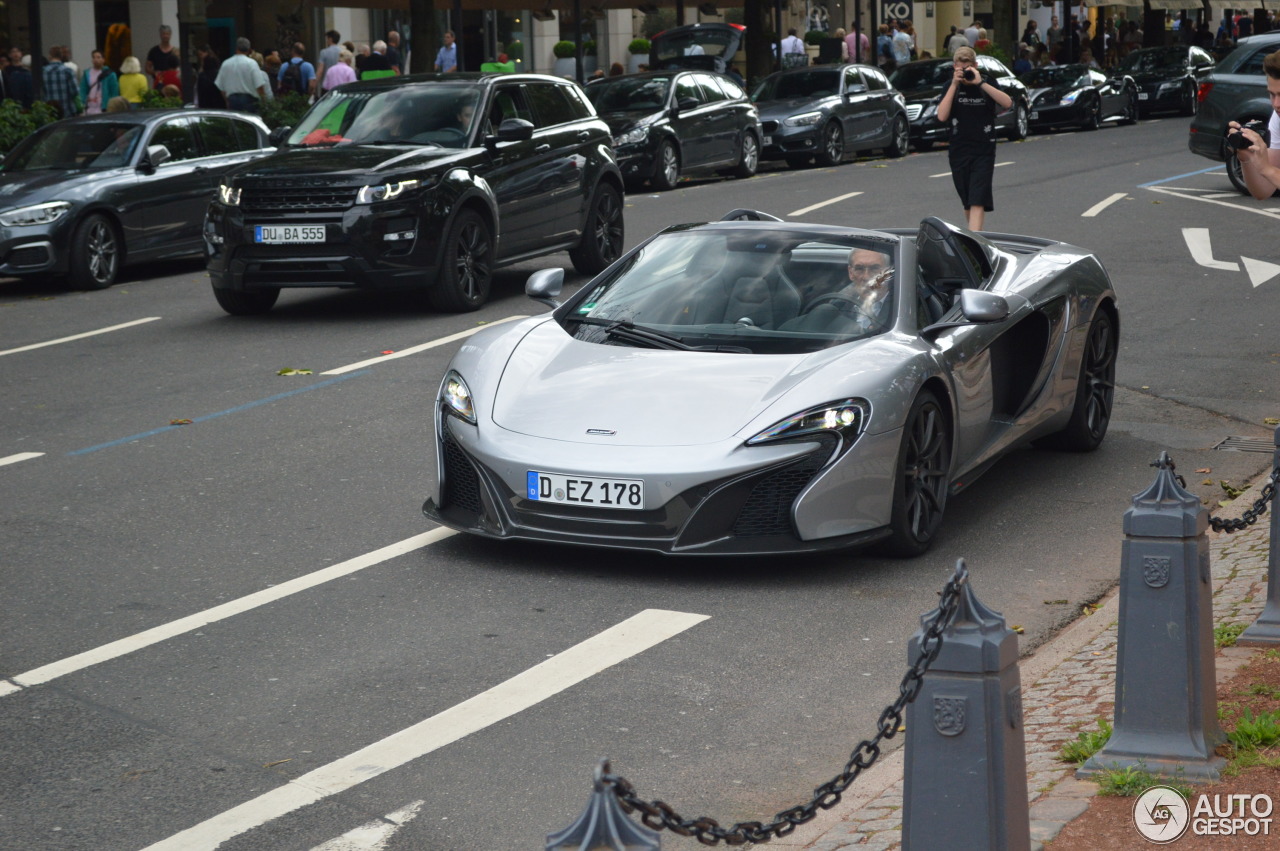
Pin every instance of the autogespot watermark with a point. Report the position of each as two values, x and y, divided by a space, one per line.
1162 815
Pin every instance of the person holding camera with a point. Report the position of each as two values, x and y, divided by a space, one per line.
970 105
1258 148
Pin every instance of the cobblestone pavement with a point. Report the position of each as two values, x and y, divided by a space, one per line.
1062 694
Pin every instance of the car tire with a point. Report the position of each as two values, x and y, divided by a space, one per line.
921 479
466 270
667 170
830 145
602 235
1131 109
799 162
1095 391
749 156
900 144
246 303
1190 103
1235 172
1094 119
1021 127
96 252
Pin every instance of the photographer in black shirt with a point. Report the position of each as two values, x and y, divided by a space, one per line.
970 105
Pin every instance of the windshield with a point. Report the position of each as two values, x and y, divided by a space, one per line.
693 43
442 116
629 93
806 84
1155 60
742 290
1057 75
87 145
921 75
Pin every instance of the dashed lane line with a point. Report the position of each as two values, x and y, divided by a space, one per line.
79 336
1102 205
374 835
21 456
948 174
155 635
413 350
529 688
821 204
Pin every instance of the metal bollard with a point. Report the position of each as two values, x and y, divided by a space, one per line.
1166 709
965 757
603 826
1266 629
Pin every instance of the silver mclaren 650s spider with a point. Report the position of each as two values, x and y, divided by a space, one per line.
754 386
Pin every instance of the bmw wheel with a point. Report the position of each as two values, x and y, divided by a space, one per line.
921 482
603 234
901 142
668 173
95 253
749 160
831 148
1095 391
1021 127
467 269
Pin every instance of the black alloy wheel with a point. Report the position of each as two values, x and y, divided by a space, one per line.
1190 102
668 171
467 270
922 482
95 253
1130 109
602 237
1093 118
900 144
831 147
1021 122
749 158
248 303
1095 391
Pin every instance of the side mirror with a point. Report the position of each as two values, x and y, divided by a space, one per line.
544 285
686 103
856 89
982 306
514 130
156 155
277 136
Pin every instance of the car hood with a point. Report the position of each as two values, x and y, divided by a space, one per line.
348 161
926 93
1054 92
621 122
777 110
557 387
35 187
1147 77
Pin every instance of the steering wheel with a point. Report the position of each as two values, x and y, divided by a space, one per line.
842 303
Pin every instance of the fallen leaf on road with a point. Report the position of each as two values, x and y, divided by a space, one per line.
179 422
1206 481
1232 490
1205 470
1272 421
1017 629
1055 602
278 762
288 370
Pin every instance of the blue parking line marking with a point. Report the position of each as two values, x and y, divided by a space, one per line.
206 417
1180 176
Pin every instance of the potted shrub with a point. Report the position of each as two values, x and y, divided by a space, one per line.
813 40
639 50
564 52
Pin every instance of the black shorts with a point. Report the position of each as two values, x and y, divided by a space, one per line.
972 172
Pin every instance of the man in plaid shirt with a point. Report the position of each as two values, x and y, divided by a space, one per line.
60 83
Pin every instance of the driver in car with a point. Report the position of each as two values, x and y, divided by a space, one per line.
864 300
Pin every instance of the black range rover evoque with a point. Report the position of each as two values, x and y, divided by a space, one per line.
424 182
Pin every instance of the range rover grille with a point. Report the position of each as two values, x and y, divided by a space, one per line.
304 200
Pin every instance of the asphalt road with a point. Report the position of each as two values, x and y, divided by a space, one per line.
125 524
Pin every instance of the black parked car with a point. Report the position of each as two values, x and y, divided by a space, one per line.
1167 77
84 196
709 47
426 182
1236 90
923 83
1079 96
829 111
667 124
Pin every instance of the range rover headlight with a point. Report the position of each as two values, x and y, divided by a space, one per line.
803 120
633 136
229 195
456 397
38 214
847 417
385 191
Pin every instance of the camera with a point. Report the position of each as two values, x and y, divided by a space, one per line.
1238 141
970 75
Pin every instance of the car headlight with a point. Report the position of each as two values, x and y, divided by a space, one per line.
385 191
632 136
930 110
803 120
1070 97
229 195
847 417
38 214
1169 87
456 397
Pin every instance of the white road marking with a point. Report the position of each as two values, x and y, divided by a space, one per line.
1102 205
1223 195
1260 271
413 350
21 456
1197 240
375 835
544 680
78 336
138 641
948 174
1269 212
836 200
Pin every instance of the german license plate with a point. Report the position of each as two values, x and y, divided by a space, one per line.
768 140
584 490
278 234
1143 95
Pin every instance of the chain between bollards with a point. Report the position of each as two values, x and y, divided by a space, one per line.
659 815
1250 515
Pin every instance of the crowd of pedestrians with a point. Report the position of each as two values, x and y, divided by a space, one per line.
243 81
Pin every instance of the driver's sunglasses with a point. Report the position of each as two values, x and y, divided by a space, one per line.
864 268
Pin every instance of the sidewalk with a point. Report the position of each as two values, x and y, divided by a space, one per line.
1066 684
